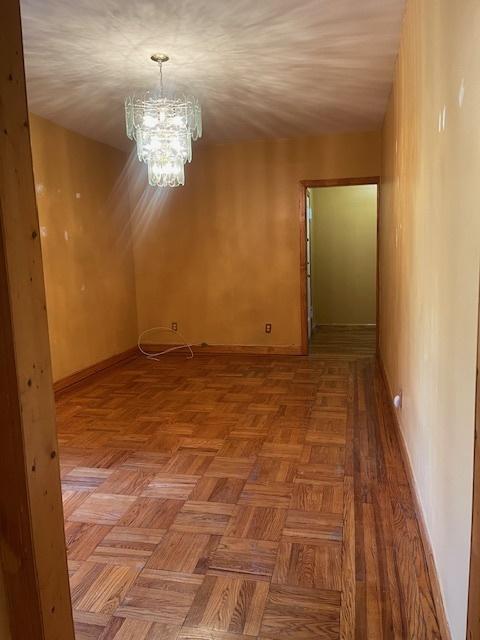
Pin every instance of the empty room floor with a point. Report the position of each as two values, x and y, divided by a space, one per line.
235 497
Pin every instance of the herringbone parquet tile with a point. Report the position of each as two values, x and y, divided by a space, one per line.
234 498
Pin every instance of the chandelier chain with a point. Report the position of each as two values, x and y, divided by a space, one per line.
161 78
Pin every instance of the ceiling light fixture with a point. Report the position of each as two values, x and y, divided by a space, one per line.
163 129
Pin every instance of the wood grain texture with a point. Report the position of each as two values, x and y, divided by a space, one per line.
222 349
92 370
277 505
229 604
34 592
393 440
161 596
346 339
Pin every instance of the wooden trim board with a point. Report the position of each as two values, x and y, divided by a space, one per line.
424 535
340 182
78 376
342 324
312 184
473 620
211 349
32 539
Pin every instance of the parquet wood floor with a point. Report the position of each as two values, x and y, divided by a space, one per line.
234 498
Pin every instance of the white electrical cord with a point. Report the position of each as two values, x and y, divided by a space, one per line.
154 356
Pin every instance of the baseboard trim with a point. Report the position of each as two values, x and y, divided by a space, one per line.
210 349
350 326
219 349
74 378
424 535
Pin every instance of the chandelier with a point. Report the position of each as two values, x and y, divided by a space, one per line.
163 129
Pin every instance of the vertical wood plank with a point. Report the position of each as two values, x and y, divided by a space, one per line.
4 621
32 543
347 612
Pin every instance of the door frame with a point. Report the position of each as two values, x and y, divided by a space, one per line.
333 182
34 590
473 620
308 264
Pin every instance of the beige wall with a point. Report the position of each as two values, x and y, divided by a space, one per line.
344 254
86 243
429 267
220 256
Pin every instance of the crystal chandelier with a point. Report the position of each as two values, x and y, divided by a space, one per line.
163 129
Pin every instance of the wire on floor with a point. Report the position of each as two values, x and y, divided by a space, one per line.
155 356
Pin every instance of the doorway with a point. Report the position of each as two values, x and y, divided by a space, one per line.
339 220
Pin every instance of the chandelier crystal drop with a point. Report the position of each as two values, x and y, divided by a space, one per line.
163 129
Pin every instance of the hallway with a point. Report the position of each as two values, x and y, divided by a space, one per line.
344 339
234 497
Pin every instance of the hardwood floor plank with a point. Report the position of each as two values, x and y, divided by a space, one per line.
179 551
238 497
160 596
305 526
257 523
189 633
294 613
317 566
89 626
82 538
351 340
127 629
128 482
100 588
273 494
325 497
102 508
151 513
172 486
85 478
230 468
347 611
203 517
229 604
242 556
264 472
225 490
127 546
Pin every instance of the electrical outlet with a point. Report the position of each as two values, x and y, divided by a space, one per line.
174 326
268 328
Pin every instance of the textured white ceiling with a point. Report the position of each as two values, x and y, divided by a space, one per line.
259 67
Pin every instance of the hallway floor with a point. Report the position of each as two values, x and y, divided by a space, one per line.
343 339
235 497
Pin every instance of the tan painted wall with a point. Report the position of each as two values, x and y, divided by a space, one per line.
86 244
429 267
344 254
221 255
